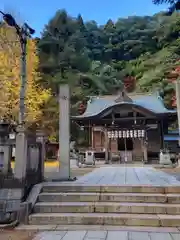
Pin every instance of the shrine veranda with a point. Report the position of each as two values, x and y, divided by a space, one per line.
128 128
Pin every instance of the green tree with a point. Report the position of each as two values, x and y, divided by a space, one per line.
96 60
164 1
173 4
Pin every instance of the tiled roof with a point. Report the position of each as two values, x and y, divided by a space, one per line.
152 102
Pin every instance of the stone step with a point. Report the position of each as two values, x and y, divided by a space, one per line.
58 187
153 220
106 207
113 197
173 198
97 228
53 187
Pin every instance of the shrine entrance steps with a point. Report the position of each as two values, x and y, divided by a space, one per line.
65 204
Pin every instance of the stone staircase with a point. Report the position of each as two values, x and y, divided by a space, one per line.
107 205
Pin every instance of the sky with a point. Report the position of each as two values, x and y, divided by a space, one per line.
37 13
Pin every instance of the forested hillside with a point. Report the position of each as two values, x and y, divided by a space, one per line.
136 53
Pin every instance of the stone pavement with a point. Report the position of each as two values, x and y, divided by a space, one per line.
106 235
118 175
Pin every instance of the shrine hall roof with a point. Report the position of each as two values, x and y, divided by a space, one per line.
151 102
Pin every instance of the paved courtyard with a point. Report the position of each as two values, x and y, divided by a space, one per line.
106 235
118 175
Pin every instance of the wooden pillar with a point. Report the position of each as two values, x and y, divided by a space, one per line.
161 132
134 116
145 145
89 136
145 153
106 146
110 150
92 138
101 139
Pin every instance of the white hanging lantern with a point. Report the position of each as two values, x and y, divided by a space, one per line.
112 134
116 134
142 133
127 133
135 133
139 134
124 134
82 128
120 134
131 133
109 134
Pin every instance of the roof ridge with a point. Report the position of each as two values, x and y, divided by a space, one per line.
150 101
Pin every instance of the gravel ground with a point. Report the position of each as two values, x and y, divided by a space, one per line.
17 235
173 171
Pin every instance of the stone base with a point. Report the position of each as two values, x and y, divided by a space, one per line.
165 159
168 165
73 163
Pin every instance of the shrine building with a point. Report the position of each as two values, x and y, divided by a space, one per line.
127 128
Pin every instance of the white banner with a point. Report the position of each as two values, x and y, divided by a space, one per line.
126 133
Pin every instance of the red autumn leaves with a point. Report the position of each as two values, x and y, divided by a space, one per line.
173 76
129 83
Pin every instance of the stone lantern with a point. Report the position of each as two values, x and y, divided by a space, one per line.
42 139
5 147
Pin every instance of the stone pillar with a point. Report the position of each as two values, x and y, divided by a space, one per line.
64 132
110 150
143 143
145 155
21 154
41 139
33 154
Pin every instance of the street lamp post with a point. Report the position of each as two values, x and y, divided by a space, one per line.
21 156
23 33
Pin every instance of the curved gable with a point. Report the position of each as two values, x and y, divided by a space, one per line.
150 103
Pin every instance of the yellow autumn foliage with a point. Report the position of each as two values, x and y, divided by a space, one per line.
10 81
